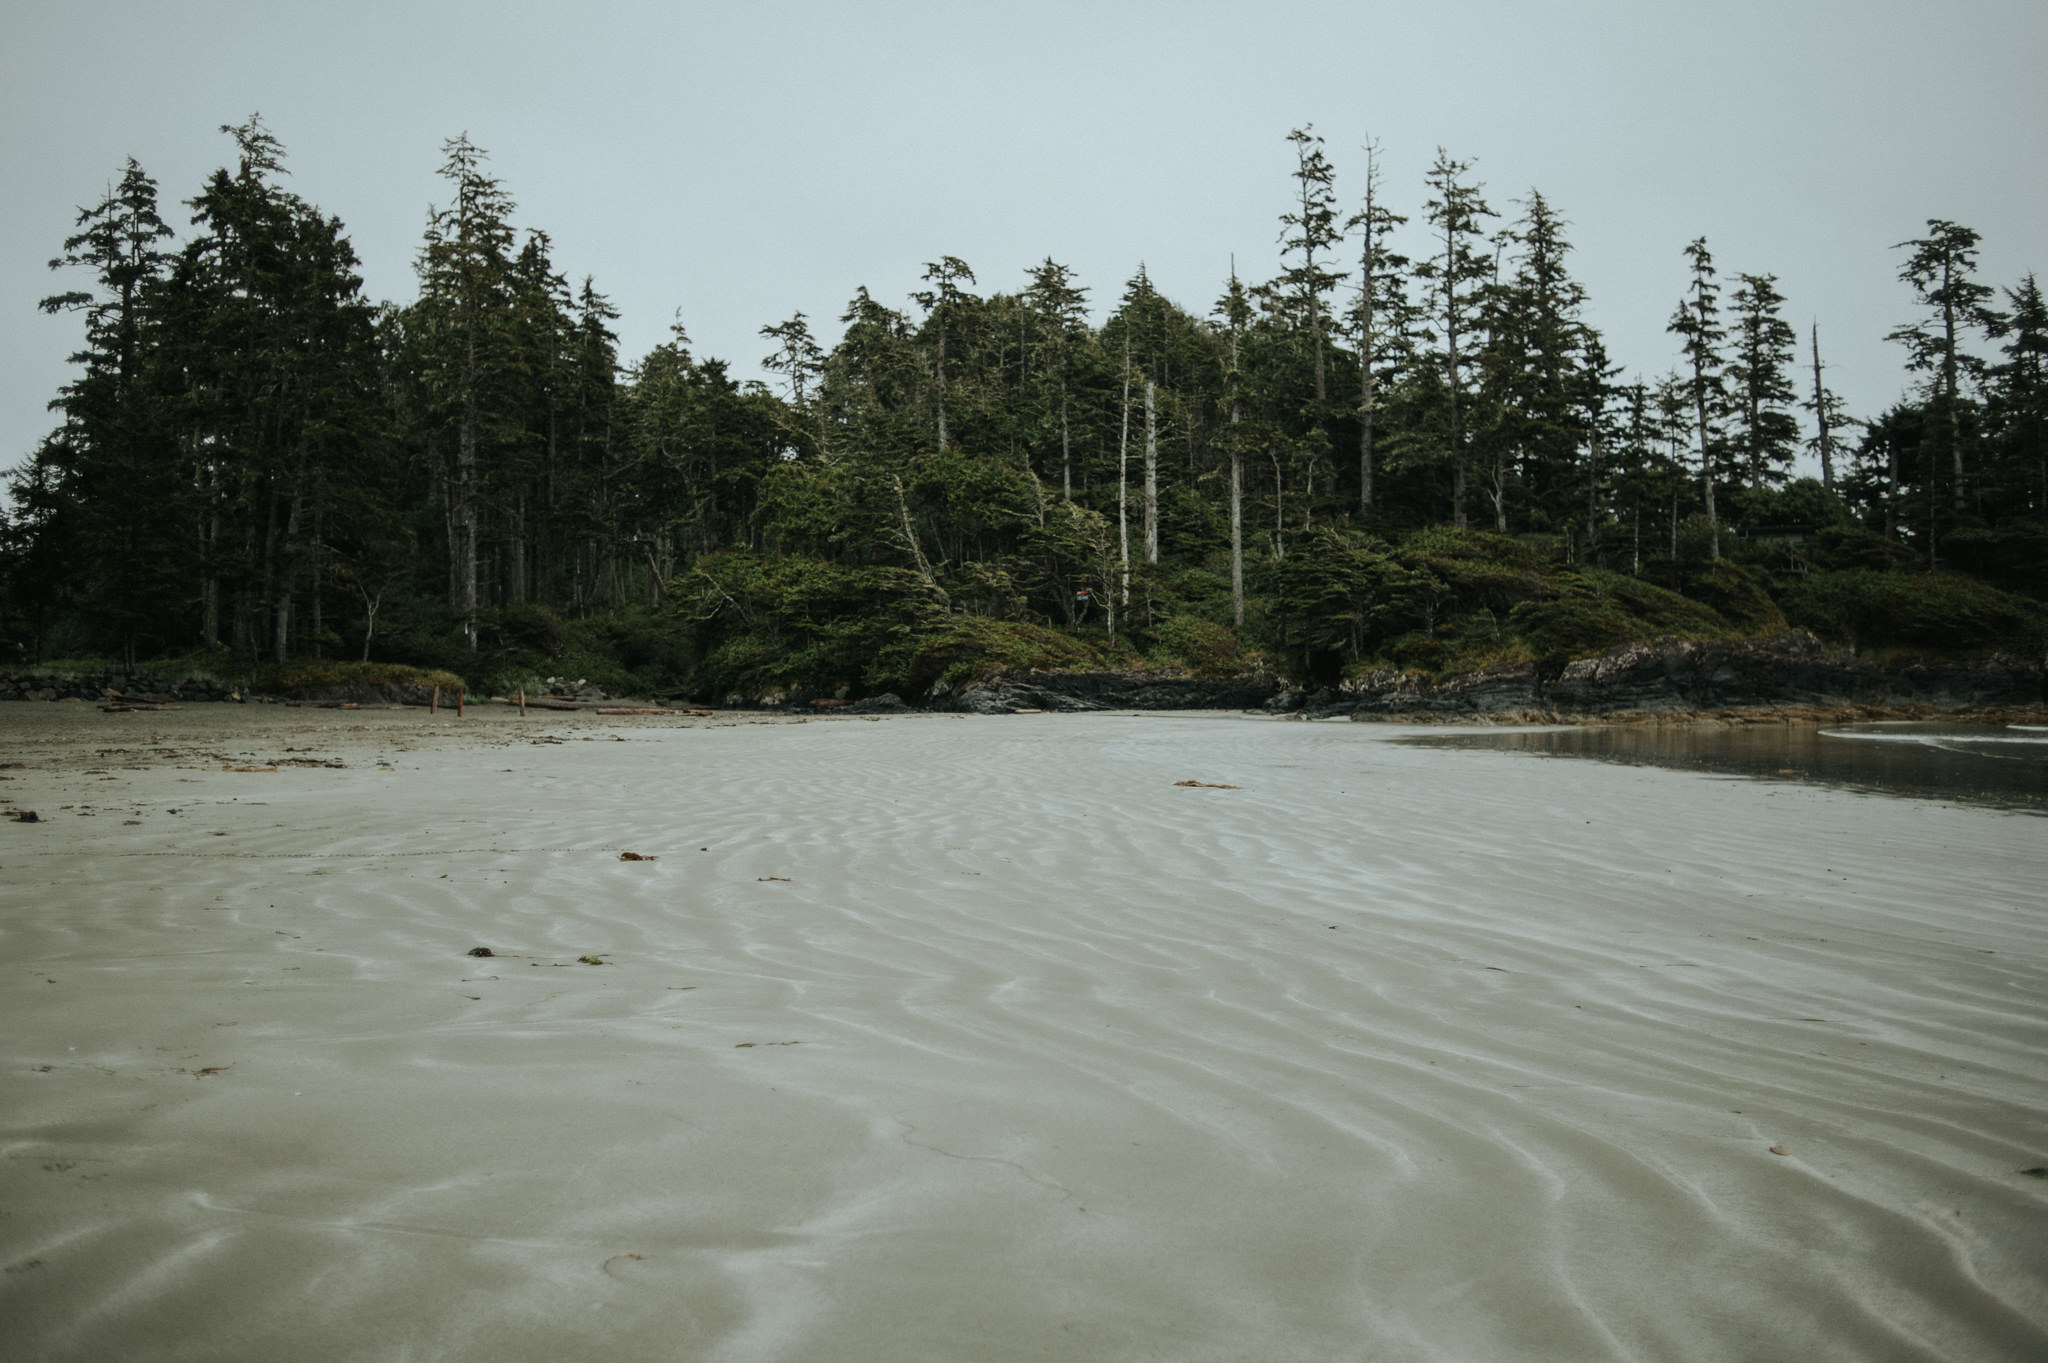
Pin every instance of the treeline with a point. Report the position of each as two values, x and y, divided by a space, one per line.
256 463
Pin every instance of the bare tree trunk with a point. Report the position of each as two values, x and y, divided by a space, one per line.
1066 447
285 562
1451 376
370 604
1151 474
1891 489
463 510
1820 417
1236 523
313 564
910 541
1593 495
1699 393
942 386
1279 510
1123 461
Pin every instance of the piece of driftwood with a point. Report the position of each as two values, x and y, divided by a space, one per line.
548 703
633 710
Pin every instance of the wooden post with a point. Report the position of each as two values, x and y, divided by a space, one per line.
458 702
434 702
522 700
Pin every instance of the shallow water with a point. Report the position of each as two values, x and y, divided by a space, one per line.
2003 767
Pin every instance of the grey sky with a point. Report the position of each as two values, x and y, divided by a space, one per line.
741 162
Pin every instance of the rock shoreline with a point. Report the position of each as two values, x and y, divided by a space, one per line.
1793 672
1791 676
97 686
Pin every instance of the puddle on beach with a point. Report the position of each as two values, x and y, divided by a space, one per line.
2006 768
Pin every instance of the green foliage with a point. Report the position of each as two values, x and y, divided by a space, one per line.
314 676
1944 614
254 463
1202 647
2013 557
1590 612
967 648
1801 502
1731 593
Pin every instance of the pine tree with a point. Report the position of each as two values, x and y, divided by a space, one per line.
1698 322
1236 311
467 301
941 302
1458 274
1829 417
1309 234
1060 305
106 491
1380 316
1530 365
2019 389
1759 382
1939 271
276 369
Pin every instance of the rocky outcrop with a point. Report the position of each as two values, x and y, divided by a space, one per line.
99 686
1669 675
1006 693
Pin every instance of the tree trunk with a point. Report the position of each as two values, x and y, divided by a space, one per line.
463 509
1593 495
1123 481
1236 520
1066 447
1820 417
1151 474
1699 396
1451 376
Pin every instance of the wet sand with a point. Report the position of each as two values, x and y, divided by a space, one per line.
939 1038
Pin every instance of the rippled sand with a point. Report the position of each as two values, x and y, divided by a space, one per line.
939 1038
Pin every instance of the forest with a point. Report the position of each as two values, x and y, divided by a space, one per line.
1407 450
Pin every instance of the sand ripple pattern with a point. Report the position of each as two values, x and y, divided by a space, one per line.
946 1038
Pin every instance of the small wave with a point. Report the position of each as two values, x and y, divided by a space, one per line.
1937 740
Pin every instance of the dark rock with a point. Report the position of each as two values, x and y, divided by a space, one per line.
1673 674
888 703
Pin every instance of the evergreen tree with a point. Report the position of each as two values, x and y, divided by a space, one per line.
276 371
104 492
1759 381
1382 316
1060 306
1530 367
1698 322
1309 236
1829 417
467 308
942 302
1458 273
1236 312
2019 390
1939 269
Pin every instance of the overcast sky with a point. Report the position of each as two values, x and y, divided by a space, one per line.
737 163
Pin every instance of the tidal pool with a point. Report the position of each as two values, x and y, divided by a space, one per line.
2003 767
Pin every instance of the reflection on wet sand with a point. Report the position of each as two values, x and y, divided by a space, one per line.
2005 767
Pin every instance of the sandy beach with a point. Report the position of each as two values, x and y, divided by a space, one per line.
985 1038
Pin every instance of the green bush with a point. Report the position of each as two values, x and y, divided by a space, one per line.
1205 648
1940 613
